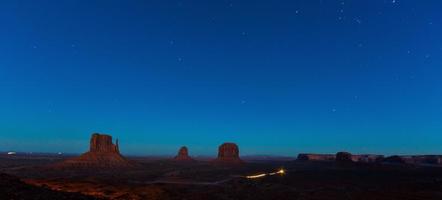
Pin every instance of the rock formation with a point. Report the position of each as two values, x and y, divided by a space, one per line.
414 160
316 157
103 143
183 155
367 158
228 153
427 160
102 154
344 157
341 156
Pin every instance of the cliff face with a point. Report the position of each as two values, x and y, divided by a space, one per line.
103 143
228 153
102 154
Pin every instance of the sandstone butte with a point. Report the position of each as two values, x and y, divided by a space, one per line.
102 154
228 153
183 155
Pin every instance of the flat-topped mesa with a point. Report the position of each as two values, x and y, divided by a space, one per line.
414 160
183 155
228 153
103 143
102 154
362 158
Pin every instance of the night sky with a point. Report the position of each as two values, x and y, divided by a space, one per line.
276 77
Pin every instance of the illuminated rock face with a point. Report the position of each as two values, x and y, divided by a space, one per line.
344 157
102 154
228 153
183 155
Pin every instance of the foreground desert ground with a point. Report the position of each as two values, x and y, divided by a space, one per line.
28 177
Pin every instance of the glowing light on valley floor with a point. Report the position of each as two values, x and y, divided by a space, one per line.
281 172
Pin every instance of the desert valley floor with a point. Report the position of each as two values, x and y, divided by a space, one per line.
29 177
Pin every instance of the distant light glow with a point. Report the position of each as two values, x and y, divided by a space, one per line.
256 176
281 172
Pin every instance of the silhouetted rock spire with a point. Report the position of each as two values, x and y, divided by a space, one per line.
183 155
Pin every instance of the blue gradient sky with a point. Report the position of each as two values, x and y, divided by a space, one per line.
276 77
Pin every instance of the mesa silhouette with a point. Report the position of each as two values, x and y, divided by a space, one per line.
183 155
102 154
228 154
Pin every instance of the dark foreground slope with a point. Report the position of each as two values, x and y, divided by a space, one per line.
200 180
11 188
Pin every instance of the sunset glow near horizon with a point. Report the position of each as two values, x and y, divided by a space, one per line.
276 78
